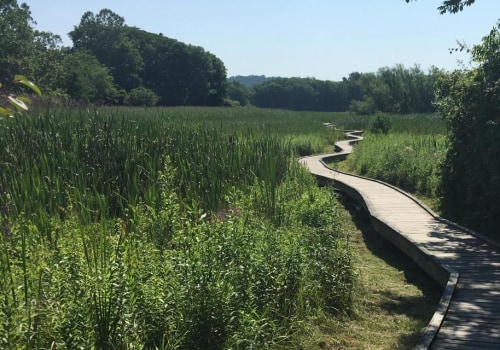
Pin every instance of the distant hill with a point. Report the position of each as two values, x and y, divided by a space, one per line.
249 80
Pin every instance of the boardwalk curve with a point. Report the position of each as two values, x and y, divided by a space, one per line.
463 262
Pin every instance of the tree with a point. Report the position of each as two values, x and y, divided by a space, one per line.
47 58
453 6
16 39
179 74
106 36
97 32
469 100
87 80
126 64
33 53
394 90
288 93
236 91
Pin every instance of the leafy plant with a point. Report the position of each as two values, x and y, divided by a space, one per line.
10 103
151 231
468 99
142 97
381 124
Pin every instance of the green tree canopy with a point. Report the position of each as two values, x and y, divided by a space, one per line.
398 89
393 90
179 74
86 79
46 65
469 100
105 35
16 39
236 91
452 6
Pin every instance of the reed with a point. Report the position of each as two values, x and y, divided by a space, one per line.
165 228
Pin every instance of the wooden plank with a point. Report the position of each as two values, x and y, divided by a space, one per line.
483 334
482 277
468 285
440 343
484 319
475 264
482 302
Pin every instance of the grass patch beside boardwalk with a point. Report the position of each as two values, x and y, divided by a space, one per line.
396 298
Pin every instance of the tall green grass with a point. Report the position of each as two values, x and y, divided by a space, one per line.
52 160
67 155
155 229
411 162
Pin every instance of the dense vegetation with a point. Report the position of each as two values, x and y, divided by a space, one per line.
179 74
153 229
249 80
162 228
468 190
409 155
471 171
459 168
114 64
393 90
108 62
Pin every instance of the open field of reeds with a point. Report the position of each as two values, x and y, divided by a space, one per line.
167 228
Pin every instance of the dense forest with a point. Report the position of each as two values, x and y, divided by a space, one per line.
391 90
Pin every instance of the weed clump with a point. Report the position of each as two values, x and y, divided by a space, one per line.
381 124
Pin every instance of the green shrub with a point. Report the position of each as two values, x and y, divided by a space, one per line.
469 101
381 124
142 96
366 106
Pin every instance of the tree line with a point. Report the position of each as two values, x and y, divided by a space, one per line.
109 63
113 63
393 90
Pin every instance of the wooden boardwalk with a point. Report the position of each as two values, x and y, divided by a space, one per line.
466 264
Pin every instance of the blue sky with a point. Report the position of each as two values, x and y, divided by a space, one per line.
324 39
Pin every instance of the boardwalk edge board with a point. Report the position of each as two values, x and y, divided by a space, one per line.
445 275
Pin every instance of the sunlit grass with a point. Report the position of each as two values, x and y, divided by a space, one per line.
395 299
411 162
145 229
